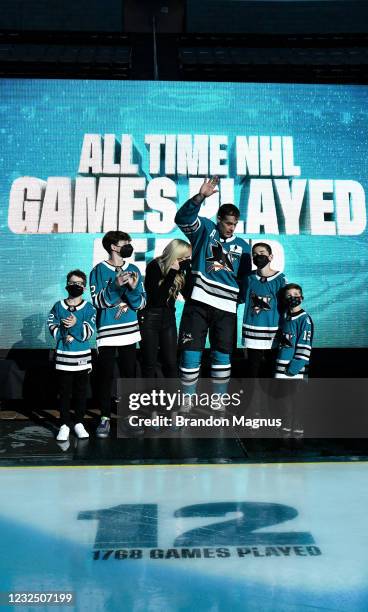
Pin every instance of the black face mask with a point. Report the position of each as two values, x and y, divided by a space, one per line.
293 300
185 265
260 261
126 251
74 290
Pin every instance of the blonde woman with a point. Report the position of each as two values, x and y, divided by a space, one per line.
166 277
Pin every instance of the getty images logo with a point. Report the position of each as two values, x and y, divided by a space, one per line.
167 401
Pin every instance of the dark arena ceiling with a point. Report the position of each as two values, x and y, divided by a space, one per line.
212 40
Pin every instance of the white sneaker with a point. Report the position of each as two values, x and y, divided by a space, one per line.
63 435
286 432
63 445
153 416
219 407
187 405
80 432
298 433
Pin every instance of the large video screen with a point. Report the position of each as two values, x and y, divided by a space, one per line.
80 158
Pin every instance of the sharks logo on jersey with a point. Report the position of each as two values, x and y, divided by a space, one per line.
286 340
186 337
221 259
260 302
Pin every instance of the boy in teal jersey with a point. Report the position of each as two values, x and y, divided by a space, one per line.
117 293
295 345
295 336
262 313
72 323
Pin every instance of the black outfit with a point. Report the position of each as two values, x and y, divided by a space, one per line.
198 319
261 362
158 324
106 371
72 385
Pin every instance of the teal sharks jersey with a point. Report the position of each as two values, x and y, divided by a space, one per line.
261 312
295 345
117 323
219 266
73 355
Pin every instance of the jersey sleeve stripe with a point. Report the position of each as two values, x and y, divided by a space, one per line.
303 357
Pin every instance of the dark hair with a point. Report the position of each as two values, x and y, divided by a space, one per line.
264 245
78 273
113 238
293 286
228 209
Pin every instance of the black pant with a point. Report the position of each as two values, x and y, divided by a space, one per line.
288 398
261 362
72 388
158 329
127 356
199 319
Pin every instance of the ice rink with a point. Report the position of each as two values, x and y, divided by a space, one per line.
276 537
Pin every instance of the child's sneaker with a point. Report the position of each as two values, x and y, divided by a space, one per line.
298 433
80 431
219 406
186 404
103 430
154 415
64 446
63 434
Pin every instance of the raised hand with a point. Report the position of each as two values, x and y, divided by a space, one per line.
209 186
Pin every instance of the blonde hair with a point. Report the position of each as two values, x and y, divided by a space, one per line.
176 249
